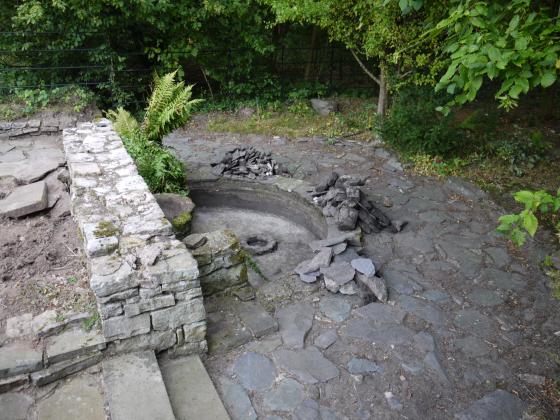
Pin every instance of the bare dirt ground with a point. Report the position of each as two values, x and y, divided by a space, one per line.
42 265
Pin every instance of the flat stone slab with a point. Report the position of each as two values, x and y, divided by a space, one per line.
295 321
255 371
135 388
326 339
72 343
308 365
335 308
25 200
357 366
81 398
386 334
337 275
191 391
19 357
28 171
15 406
381 313
364 266
287 395
68 367
499 405
236 401
256 319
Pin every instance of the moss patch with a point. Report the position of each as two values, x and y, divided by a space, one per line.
105 229
181 222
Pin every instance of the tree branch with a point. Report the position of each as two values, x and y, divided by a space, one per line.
364 68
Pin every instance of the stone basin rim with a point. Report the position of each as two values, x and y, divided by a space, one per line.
273 195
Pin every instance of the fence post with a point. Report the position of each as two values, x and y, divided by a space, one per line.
230 71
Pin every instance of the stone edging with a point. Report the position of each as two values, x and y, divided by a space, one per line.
36 126
145 281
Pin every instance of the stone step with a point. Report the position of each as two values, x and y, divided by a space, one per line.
191 391
135 388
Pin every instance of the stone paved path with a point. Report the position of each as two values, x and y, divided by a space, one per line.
467 316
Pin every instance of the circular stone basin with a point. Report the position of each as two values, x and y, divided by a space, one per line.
264 217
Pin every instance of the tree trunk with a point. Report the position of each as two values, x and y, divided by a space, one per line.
383 95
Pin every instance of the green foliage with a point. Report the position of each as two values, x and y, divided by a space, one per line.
515 226
514 42
521 151
92 321
414 126
26 102
169 107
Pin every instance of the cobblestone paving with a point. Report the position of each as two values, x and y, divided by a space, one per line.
467 316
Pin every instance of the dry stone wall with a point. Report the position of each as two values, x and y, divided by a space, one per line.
145 280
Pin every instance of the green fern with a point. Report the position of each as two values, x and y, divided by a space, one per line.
123 121
169 107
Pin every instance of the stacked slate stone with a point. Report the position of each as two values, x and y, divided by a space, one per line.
342 269
221 263
145 281
342 199
247 162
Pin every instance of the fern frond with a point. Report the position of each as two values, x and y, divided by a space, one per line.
169 107
123 121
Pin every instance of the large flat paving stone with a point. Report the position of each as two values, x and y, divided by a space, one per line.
295 322
308 365
25 200
191 391
80 398
15 406
72 343
135 388
237 401
255 371
499 405
19 357
29 170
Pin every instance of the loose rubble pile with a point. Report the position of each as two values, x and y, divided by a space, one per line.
342 268
247 162
341 198
337 259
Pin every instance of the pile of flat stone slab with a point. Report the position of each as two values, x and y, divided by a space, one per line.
247 162
44 348
341 198
342 269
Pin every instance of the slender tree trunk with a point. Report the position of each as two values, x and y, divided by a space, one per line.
383 94
381 81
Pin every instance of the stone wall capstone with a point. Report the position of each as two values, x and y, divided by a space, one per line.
139 270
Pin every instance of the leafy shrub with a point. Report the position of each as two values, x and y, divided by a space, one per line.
414 126
541 202
169 107
521 150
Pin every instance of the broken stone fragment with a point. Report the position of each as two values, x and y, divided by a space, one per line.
346 218
25 200
337 275
376 285
320 260
364 266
